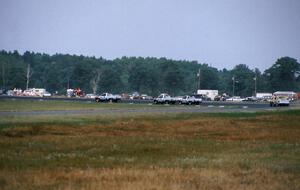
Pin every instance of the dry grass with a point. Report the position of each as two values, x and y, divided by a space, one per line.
153 152
270 127
152 178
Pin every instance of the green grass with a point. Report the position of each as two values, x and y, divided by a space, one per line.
33 105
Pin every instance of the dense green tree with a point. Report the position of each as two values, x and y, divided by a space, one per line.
283 74
142 78
146 75
225 82
209 77
16 77
81 76
172 77
110 79
243 80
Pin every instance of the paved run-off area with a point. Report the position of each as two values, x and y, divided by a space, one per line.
86 108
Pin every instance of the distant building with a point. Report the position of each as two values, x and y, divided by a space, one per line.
262 95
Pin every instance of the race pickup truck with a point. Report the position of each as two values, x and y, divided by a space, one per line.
164 99
279 101
107 97
188 100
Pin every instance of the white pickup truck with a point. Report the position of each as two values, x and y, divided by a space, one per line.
279 101
191 100
107 97
164 99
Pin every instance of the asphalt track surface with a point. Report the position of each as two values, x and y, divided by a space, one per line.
149 108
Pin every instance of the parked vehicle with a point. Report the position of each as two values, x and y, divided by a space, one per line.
92 96
279 101
204 97
70 93
47 94
146 97
107 97
221 98
164 99
178 99
10 93
250 99
235 99
75 93
135 95
2 91
265 99
218 98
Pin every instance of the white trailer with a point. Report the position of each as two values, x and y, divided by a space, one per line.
34 92
209 93
264 95
288 94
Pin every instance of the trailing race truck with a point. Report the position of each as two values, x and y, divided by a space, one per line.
279 101
188 100
164 99
107 97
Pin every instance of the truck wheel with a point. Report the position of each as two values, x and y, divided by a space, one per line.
97 100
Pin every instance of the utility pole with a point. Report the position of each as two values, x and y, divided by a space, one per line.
28 75
199 79
3 76
232 86
255 85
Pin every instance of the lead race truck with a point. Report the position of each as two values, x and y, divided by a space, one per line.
107 97
164 99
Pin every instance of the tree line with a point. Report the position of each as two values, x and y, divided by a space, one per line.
145 75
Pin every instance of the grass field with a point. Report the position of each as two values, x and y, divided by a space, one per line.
153 151
34 105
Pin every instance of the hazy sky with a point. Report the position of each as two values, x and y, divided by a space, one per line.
222 33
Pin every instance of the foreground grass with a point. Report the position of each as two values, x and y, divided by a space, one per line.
179 151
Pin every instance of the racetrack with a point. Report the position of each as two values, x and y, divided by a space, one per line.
148 108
